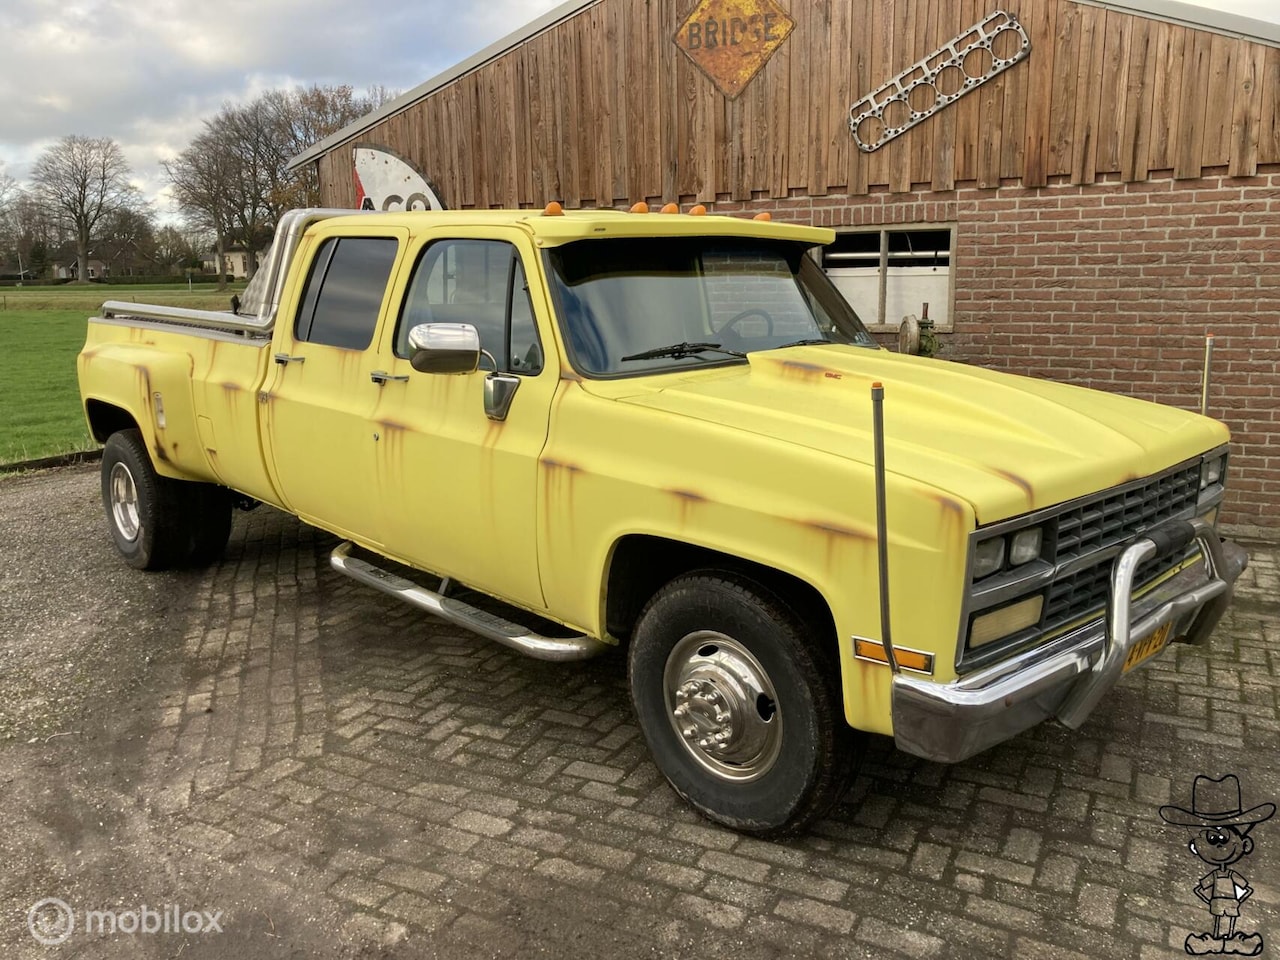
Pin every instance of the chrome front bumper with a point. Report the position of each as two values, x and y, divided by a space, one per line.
1068 676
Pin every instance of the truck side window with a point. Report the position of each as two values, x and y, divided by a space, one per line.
526 349
344 291
480 282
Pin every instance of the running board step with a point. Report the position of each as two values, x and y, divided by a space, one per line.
456 611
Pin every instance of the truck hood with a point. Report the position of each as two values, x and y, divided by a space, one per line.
1006 444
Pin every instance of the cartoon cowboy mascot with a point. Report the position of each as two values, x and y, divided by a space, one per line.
1219 827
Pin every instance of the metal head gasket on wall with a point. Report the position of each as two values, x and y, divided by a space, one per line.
985 50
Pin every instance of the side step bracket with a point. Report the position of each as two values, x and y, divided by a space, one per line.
486 624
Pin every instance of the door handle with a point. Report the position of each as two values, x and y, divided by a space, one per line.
284 358
381 376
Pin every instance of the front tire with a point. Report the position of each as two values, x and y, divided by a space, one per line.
740 704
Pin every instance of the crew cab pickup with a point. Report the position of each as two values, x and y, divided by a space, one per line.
577 431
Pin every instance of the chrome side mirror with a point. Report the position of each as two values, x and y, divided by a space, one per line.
444 348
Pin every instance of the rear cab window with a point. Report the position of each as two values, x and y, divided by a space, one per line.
344 292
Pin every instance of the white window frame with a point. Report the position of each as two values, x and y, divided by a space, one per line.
878 323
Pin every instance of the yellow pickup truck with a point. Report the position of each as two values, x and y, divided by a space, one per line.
657 431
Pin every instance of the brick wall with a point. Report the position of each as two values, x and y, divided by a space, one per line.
1114 286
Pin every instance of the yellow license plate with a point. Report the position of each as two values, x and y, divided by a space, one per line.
1148 647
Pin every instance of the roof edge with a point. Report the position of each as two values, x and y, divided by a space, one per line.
492 52
1196 17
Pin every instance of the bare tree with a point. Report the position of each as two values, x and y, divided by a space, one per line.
174 249
84 179
126 239
203 185
234 179
8 231
8 189
305 116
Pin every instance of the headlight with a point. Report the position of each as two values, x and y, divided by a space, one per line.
1024 546
988 557
1021 547
1211 471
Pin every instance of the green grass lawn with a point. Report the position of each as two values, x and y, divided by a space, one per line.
41 331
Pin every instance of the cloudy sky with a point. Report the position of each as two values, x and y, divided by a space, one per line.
146 72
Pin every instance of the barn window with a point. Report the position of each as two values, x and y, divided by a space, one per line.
887 273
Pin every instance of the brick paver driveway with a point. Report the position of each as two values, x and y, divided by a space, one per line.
347 777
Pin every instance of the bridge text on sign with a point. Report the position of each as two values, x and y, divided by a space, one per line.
731 40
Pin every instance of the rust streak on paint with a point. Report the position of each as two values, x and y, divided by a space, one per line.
391 439
835 530
950 508
559 484
834 536
1019 482
797 369
687 500
492 433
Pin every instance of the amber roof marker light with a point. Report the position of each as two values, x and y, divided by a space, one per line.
553 209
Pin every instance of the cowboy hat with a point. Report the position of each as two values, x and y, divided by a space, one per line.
1216 803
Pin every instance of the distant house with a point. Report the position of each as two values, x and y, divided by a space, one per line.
67 268
107 259
235 261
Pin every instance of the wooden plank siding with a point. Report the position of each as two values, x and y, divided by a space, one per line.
603 109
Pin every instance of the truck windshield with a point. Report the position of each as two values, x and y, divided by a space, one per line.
621 299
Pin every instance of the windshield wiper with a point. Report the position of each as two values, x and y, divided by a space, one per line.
812 342
678 351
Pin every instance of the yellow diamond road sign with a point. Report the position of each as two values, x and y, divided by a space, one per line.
731 40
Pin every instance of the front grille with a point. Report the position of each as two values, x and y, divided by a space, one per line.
1084 594
1106 521
1119 517
1085 536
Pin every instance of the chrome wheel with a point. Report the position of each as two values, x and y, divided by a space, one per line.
722 705
124 502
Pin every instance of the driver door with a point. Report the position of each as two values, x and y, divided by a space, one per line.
460 484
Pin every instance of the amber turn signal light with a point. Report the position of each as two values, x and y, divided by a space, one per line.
553 209
865 649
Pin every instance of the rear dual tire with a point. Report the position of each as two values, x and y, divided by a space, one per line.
157 522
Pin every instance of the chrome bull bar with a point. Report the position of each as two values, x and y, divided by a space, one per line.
1123 634
1069 675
